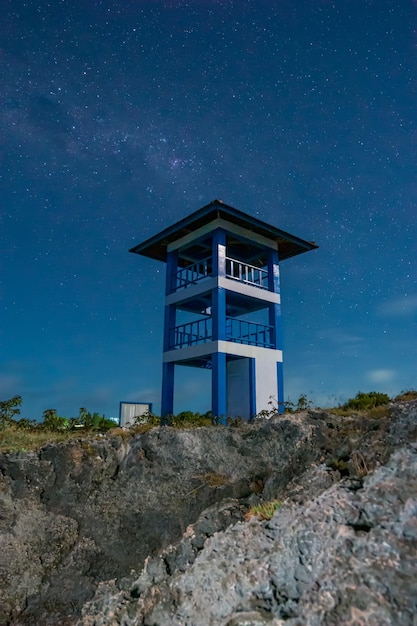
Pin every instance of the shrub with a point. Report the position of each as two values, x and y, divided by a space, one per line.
365 401
52 421
189 419
8 409
94 421
26 424
302 404
147 418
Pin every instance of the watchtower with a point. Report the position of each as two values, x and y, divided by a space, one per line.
223 305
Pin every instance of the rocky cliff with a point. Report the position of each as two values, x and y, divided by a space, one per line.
150 529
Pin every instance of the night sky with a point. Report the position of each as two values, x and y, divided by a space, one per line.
119 118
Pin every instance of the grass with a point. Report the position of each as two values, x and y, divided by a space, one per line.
14 439
360 464
375 412
214 479
406 396
263 511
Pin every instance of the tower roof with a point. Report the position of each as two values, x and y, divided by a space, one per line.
156 246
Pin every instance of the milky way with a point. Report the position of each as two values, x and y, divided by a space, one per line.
119 118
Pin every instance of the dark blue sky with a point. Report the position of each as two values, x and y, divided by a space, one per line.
119 118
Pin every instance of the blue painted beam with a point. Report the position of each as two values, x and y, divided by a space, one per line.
218 295
218 385
252 388
273 271
167 401
280 382
171 272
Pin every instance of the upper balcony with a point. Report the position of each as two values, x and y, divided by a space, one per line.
235 270
192 274
245 273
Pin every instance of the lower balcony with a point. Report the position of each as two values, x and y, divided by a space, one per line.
237 330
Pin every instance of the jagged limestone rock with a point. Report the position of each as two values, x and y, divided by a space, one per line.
85 511
349 556
149 529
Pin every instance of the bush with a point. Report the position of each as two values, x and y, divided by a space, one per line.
189 419
52 421
94 421
8 409
365 401
147 418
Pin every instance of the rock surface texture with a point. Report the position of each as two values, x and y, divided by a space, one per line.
150 529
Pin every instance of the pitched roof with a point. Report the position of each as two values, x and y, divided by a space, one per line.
156 246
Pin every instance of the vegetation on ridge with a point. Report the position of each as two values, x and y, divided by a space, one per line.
21 434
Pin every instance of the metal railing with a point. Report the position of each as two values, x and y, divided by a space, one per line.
191 333
237 270
192 274
239 331
246 273
251 333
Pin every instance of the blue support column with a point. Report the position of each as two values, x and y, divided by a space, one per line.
219 252
218 294
273 271
280 381
218 386
218 312
274 314
170 310
170 316
167 402
252 390
275 321
274 309
171 272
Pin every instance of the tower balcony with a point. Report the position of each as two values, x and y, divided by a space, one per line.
246 273
249 333
191 334
192 274
235 269
238 331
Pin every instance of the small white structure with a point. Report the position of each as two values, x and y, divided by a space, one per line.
129 411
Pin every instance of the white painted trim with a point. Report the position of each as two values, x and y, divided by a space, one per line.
248 290
225 283
193 291
248 234
229 347
191 352
254 352
228 226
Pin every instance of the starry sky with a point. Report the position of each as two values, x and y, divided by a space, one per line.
118 118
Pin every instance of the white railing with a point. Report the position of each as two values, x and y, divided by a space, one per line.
192 274
237 270
246 273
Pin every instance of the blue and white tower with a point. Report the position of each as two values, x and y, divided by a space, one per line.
223 305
